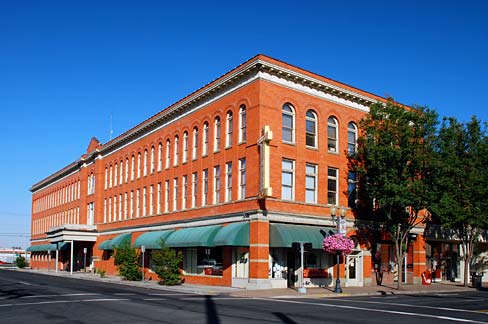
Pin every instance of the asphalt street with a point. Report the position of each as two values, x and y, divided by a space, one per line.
33 298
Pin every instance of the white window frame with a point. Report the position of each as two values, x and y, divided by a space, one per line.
242 124
332 178
229 129
216 184
228 181
285 169
352 138
217 126
311 182
242 178
332 135
311 117
288 110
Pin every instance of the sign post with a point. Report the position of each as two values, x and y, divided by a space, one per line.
302 247
84 258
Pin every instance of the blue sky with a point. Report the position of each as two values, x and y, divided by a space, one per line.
66 66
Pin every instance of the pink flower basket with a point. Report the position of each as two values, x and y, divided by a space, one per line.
338 244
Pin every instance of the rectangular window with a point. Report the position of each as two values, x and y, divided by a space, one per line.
352 194
332 186
175 194
242 178
131 215
287 179
216 196
151 200
120 207
159 198
105 210
194 189
205 187
125 205
138 202
184 195
166 198
144 200
311 183
228 181
91 214
115 208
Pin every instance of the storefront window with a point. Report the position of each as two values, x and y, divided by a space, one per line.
203 261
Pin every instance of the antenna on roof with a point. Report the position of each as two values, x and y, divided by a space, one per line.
111 130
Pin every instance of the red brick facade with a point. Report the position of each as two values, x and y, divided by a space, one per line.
131 188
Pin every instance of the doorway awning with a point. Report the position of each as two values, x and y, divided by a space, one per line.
151 240
42 248
283 235
234 234
194 236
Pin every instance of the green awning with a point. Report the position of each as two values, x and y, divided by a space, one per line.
119 240
193 236
283 235
234 234
105 245
151 240
42 248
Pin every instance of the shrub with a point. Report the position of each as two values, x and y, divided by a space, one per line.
166 264
127 259
102 273
20 262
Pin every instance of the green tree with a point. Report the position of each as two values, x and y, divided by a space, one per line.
166 264
128 261
20 262
460 183
392 162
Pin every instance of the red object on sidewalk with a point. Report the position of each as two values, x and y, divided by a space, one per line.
426 278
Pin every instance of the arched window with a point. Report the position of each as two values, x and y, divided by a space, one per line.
116 173
194 153
176 151
168 153
217 134
145 163
242 124
152 159
332 145
138 165
160 156
121 173
126 170
205 139
311 129
132 167
352 138
229 129
185 147
288 124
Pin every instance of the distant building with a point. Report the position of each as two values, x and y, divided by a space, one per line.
8 255
231 175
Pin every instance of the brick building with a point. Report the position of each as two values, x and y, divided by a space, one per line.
231 175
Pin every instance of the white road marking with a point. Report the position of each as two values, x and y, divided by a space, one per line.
455 319
124 294
25 283
413 306
62 295
64 302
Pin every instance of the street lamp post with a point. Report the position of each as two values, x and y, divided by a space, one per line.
341 229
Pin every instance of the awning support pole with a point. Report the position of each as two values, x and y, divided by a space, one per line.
57 258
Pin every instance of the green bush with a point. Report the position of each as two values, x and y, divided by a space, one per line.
102 273
128 260
166 264
20 262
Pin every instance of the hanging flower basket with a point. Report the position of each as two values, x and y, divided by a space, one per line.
338 244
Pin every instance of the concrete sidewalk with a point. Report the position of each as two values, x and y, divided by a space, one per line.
436 288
